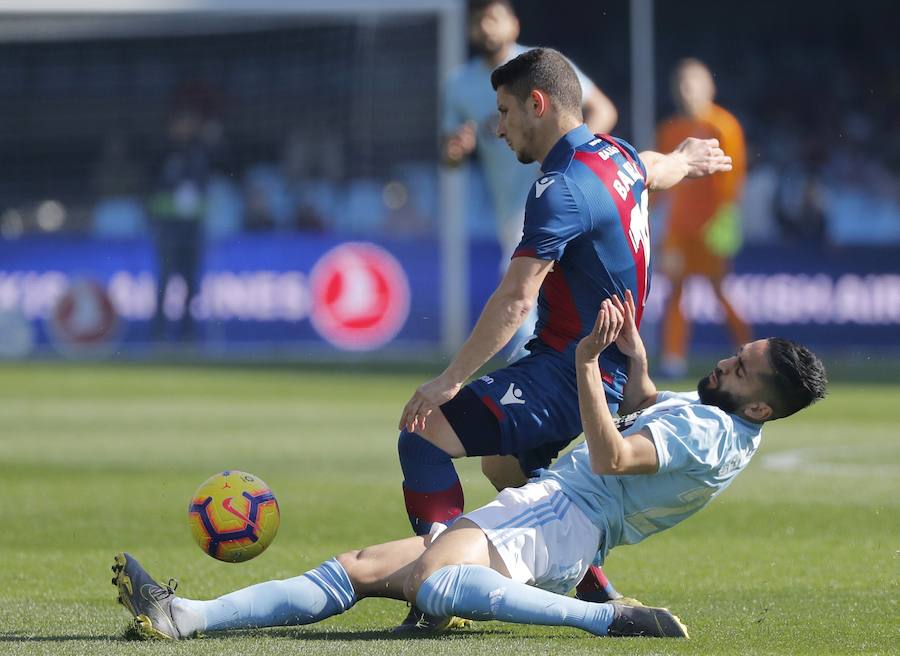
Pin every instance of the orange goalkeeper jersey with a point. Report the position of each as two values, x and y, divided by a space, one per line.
695 202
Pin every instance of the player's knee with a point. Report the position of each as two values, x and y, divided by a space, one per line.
420 572
427 564
354 564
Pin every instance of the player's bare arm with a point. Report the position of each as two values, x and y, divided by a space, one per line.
693 158
502 315
639 392
600 113
609 452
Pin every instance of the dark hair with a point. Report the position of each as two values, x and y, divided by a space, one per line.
476 6
798 377
544 69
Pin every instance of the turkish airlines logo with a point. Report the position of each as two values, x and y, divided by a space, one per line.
360 296
84 320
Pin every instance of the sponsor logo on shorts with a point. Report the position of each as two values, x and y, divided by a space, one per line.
513 396
487 379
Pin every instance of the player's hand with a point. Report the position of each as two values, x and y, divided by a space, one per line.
703 157
429 396
607 327
629 341
461 143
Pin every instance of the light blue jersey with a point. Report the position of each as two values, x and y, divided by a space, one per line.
700 449
468 96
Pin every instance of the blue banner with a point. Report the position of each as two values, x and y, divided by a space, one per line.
320 292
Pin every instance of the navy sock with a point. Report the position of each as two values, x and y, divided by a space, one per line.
431 488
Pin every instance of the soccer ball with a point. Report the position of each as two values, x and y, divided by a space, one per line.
234 516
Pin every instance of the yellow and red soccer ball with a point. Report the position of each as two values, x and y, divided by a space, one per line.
234 516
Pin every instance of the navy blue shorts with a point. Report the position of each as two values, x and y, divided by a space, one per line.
534 406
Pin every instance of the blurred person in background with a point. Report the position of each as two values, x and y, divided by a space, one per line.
194 152
117 173
703 229
469 125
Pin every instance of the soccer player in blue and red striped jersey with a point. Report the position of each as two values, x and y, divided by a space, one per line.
586 238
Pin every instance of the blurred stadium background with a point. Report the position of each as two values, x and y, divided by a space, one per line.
316 218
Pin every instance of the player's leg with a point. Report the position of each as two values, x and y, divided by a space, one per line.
675 261
675 333
327 590
481 573
503 471
506 471
431 487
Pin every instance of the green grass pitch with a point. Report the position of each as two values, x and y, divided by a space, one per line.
800 556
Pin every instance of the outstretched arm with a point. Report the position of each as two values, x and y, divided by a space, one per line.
693 158
609 452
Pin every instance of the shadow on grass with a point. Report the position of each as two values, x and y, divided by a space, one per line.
308 634
18 636
293 633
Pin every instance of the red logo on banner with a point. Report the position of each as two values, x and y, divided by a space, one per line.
360 296
84 318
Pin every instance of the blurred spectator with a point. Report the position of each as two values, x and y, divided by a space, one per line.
469 122
118 181
194 152
703 229
117 173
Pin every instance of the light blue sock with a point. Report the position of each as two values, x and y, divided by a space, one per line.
312 597
480 593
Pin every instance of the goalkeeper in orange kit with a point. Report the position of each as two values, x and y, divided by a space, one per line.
703 226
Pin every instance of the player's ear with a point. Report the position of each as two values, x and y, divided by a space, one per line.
758 411
540 100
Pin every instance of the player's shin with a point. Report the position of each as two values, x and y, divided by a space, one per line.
480 593
312 597
431 488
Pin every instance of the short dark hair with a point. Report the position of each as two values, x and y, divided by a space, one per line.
476 6
798 377
544 69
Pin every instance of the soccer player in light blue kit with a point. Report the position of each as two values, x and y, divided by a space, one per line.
513 559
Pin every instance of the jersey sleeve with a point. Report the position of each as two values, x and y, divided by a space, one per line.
552 219
684 440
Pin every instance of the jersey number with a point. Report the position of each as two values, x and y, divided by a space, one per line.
639 227
648 521
639 232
